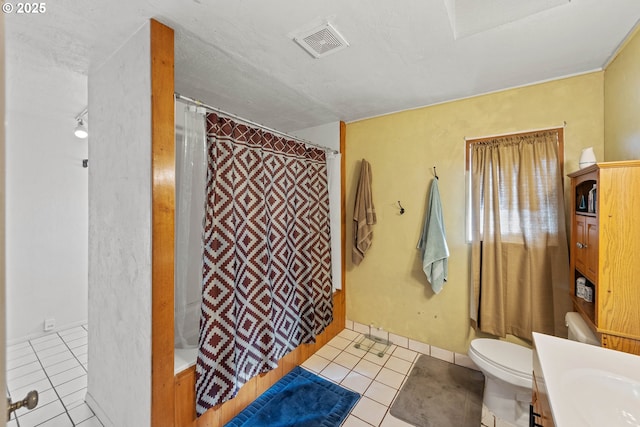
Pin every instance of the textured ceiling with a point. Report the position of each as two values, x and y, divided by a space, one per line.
240 56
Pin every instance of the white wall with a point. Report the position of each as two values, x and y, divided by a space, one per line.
119 380
328 135
46 201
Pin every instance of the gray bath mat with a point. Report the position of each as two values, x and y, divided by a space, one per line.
440 394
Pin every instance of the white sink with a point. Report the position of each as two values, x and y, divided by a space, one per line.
603 398
589 386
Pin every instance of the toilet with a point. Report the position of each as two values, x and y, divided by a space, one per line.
508 371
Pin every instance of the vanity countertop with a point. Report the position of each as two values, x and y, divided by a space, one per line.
588 385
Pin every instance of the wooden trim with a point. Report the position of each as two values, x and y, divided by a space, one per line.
343 202
604 165
163 217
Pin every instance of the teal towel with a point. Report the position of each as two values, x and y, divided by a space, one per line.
433 242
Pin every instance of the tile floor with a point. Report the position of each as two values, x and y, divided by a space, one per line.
56 365
377 379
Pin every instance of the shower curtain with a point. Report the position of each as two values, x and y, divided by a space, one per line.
191 170
267 259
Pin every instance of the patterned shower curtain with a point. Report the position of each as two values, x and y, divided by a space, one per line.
267 259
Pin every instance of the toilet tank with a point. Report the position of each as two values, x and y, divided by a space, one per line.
578 329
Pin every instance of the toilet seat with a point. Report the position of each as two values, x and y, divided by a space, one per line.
506 361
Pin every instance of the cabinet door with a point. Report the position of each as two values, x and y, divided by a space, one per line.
580 252
586 249
591 242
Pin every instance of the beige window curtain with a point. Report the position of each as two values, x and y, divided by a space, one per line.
520 265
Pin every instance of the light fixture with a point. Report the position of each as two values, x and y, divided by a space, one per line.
81 129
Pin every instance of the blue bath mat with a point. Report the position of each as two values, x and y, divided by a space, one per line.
300 399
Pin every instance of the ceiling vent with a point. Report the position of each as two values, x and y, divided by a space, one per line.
321 41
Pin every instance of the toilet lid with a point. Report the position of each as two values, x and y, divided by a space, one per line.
509 355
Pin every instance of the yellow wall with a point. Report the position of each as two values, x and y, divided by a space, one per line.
389 288
622 103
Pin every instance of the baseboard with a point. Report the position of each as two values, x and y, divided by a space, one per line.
43 333
95 407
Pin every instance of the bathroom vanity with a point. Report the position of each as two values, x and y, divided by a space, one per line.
605 243
581 385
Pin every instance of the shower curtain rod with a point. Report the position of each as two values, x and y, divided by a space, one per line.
249 122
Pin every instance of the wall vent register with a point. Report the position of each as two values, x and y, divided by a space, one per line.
321 41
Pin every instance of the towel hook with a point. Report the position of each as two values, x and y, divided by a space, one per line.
401 208
435 173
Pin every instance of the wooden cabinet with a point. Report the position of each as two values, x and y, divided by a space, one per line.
586 247
605 250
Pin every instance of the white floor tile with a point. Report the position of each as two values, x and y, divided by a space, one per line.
50 351
19 352
12 423
25 380
348 334
56 358
71 331
398 365
44 345
80 351
406 354
356 351
44 338
61 420
62 366
381 393
23 370
21 361
368 369
91 422
79 337
315 363
39 386
390 378
81 413
67 375
334 372
353 421
340 342
82 358
71 386
356 382
347 360
369 411
41 414
377 359
328 352
44 398
74 399
77 342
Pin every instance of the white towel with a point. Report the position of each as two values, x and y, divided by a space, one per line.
433 242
